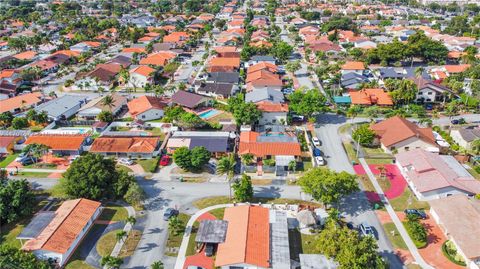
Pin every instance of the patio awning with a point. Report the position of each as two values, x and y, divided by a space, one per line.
282 160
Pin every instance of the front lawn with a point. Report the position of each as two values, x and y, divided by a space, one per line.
113 212
218 212
379 161
308 243
8 159
33 174
394 236
107 242
130 243
408 200
123 168
351 153
149 165
75 263
191 247
174 241
216 200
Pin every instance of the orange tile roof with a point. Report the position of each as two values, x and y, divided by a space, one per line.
125 144
455 54
272 107
20 101
92 43
397 129
249 144
248 237
263 66
7 73
459 68
69 53
176 37
69 221
353 66
143 70
263 77
144 103
261 43
26 55
221 61
159 58
371 97
56 141
224 49
133 50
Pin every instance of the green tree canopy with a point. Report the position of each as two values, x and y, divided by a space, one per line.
307 103
191 160
326 185
243 189
16 198
94 177
11 257
363 135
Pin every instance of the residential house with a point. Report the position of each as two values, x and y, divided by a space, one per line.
457 216
10 80
55 235
177 38
431 92
263 79
63 107
147 108
398 135
190 100
433 176
274 143
102 77
85 46
223 77
91 110
217 143
261 59
270 95
272 113
465 136
353 80
353 67
21 103
140 76
222 64
9 138
136 147
217 90
368 97
160 58
60 144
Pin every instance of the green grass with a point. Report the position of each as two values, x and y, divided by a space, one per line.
76 263
344 128
408 200
149 165
157 132
7 160
474 173
9 232
123 168
216 200
396 239
106 243
174 241
418 244
308 243
379 161
33 174
113 213
191 247
130 243
351 153
218 213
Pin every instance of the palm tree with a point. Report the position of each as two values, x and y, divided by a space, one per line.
476 146
132 220
419 71
108 101
247 158
226 166
111 262
120 235
175 225
157 265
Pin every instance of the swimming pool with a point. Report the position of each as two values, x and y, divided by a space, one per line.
208 114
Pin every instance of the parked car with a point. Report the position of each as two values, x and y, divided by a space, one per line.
416 212
209 249
73 158
165 160
125 161
366 229
28 160
429 106
458 121
169 212
317 152
320 160
316 142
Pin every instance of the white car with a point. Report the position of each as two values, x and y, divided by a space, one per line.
316 141
320 160
126 161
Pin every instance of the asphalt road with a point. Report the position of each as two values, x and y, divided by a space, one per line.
356 207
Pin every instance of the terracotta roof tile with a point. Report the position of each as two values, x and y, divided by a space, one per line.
353 66
125 144
144 103
272 107
17 102
26 55
371 97
57 142
396 129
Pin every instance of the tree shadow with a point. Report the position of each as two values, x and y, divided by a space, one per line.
267 192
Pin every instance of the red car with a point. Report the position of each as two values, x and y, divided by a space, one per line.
165 160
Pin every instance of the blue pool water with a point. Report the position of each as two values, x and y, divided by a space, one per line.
208 114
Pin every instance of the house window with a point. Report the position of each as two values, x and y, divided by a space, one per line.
143 116
406 148
430 93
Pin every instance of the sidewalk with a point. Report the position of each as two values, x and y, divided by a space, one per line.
127 228
401 229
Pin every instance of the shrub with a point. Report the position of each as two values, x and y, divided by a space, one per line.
449 250
417 232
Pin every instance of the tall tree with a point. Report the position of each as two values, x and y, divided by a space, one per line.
243 189
326 185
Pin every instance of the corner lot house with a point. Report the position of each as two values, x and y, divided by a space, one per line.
142 147
146 108
432 176
458 218
56 235
399 134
